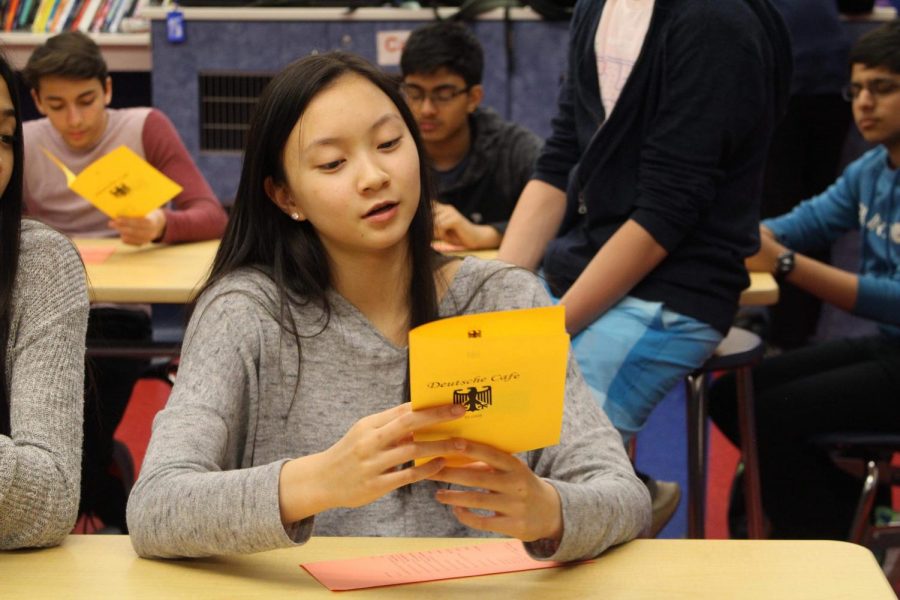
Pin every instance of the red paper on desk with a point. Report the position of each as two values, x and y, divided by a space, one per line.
94 255
428 565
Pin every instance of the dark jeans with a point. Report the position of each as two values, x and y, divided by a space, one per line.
108 384
803 161
838 386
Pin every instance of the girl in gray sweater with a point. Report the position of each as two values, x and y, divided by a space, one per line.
43 317
289 414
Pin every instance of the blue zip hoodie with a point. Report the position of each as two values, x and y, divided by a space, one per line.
865 198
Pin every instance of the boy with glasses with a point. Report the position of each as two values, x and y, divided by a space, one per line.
843 384
480 163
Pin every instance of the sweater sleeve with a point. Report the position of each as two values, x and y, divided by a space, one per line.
197 215
877 298
603 501
713 98
40 462
197 494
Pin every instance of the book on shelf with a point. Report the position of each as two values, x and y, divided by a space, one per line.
87 16
9 14
59 16
40 19
72 13
100 17
27 9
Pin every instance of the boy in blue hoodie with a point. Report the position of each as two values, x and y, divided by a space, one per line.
840 385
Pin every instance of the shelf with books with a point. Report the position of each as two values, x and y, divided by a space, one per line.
26 23
122 51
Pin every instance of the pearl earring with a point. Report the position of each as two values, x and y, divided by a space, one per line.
295 216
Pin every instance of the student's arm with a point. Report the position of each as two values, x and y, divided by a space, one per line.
197 213
622 262
831 284
569 501
534 223
453 227
197 450
681 162
361 467
873 297
816 223
40 462
516 160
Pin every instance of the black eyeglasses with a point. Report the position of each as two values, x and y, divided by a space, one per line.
878 88
442 94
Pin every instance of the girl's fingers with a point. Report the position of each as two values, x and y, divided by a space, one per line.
410 420
470 499
404 453
499 460
398 478
474 478
494 523
386 416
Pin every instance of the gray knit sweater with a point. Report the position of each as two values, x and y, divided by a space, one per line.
40 464
209 482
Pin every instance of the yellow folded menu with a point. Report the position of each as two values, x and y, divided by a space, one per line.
120 183
508 368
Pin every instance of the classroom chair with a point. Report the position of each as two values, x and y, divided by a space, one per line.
739 351
868 457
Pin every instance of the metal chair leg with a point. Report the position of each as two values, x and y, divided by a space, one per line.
866 502
695 388
747 425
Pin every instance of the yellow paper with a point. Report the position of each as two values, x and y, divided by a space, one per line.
508 368
121 184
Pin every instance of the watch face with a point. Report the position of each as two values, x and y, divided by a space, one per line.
785 264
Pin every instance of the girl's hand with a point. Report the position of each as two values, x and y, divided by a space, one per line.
524 506
364 465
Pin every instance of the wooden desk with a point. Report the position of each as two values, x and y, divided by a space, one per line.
153 273
100 566
763 289
157 273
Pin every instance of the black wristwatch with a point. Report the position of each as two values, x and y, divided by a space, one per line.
784 264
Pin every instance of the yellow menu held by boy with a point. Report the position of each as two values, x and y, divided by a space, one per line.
120 183
507 368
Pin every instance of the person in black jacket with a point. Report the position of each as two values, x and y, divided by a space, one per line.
645 199
480 163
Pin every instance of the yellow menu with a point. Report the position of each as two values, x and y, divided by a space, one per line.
120 183
508 368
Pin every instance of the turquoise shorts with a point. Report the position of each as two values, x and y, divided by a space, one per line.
635 353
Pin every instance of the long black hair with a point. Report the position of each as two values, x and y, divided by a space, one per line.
10 232
261 236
